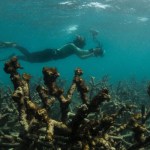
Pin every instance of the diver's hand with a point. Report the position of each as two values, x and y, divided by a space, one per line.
98 52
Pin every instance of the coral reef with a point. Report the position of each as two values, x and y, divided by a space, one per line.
94 117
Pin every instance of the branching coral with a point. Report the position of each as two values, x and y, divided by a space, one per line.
98 123
28 110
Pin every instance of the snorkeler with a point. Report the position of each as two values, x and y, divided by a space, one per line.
94 33
54 54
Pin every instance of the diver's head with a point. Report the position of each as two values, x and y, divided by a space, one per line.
98 51
79 41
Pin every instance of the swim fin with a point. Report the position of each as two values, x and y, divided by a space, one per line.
7 44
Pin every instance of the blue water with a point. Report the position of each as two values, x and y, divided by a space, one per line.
123 25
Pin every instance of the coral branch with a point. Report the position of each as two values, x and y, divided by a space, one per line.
95 123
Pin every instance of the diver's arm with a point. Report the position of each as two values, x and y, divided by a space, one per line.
71 48
83 54
86 56
67 47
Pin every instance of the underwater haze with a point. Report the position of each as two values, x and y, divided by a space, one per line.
124 32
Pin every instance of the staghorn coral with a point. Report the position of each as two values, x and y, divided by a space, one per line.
28 111
100 121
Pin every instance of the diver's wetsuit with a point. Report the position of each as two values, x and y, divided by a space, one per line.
44 55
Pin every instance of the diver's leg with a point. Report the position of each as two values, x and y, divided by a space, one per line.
14 45
23 50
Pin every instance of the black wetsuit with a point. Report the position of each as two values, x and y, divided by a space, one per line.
44 55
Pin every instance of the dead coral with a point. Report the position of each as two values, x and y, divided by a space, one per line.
98 123
28 110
